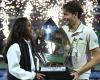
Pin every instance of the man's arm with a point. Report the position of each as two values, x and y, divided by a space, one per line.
95 60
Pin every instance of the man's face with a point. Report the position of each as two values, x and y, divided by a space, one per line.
68 18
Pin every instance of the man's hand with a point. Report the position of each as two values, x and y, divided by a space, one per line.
39 76
75 74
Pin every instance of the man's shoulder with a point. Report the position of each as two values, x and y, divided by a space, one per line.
87 28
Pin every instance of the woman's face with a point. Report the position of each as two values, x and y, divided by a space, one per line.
29 30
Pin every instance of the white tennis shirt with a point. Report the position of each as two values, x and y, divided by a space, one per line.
82 40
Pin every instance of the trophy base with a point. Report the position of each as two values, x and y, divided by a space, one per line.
52 69
55 73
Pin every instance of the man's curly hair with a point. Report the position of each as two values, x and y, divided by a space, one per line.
73 7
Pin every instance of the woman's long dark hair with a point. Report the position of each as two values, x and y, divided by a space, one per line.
17 32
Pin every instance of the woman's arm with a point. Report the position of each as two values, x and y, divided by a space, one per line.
13 56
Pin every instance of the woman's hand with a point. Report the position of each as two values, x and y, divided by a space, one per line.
40 76
75 74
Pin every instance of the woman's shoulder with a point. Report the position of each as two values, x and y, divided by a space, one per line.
14 46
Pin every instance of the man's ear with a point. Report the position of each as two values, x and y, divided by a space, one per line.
76 14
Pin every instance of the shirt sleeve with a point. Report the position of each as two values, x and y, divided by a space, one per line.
13 57
92 40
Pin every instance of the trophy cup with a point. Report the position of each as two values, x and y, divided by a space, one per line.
54 51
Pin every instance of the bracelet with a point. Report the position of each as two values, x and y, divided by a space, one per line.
77 72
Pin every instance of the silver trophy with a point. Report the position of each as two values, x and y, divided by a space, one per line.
53 47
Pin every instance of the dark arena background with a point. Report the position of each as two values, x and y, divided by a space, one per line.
40 12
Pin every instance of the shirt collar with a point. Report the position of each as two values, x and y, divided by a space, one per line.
80 28
27 41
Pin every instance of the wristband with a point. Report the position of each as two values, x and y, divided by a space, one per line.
77 72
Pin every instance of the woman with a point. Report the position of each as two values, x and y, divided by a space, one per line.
18 53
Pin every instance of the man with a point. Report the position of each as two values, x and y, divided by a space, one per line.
83 41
